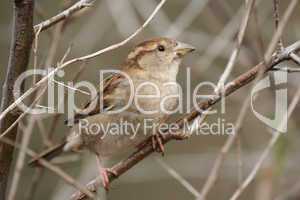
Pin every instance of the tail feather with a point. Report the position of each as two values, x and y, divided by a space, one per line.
48 154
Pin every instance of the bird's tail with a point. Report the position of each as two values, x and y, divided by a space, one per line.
48 154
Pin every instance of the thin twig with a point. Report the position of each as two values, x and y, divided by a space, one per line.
20 117
280 29
267 150
63 15
46 135
36 177
239 159
80 59
35 48
62 101
218 45
295 58
178 177
214 173
190 12
56 170
235 52
20 160
277 19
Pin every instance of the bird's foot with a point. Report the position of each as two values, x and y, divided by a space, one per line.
157 143
105 178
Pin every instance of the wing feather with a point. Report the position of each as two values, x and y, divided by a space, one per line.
108 85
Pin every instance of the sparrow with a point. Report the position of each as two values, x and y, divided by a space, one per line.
150 68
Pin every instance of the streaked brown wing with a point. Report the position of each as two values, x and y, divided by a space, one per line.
109 84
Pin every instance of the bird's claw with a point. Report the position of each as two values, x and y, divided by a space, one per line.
157 143
105 178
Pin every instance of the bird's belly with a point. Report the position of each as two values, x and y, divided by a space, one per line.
109 134
117 133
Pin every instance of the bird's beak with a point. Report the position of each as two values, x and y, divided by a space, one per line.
183 48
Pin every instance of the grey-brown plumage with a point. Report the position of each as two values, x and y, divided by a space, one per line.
154 61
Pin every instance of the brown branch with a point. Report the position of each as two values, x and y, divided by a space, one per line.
123 166
18 60
63 15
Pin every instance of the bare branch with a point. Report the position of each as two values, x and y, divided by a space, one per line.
63 15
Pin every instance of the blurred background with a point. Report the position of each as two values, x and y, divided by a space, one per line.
209 25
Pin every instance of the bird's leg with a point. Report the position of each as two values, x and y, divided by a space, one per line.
104 173
157 139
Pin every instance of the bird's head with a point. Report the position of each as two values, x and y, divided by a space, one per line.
159 54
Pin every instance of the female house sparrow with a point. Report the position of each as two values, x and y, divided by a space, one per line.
154 61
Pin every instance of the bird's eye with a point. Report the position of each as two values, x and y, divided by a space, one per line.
161 48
